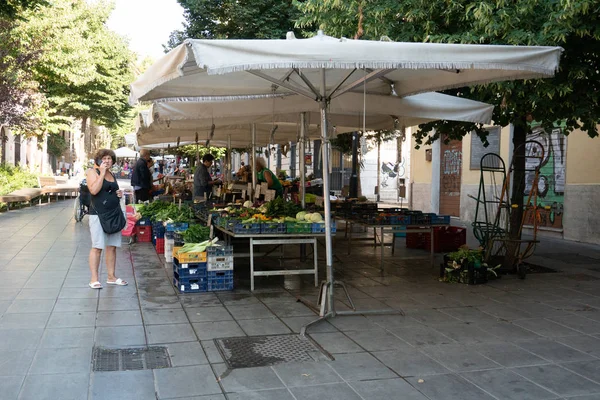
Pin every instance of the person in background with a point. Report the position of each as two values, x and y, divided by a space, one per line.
105 195
141 178
202 179
263 174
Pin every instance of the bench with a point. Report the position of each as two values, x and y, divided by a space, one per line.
21 196
49 186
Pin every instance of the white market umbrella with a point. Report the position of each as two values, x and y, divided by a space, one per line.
323 68
126 152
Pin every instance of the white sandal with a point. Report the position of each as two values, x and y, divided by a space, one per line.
118 282
95 285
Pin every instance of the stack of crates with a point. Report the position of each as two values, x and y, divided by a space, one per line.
160 246
169 244
219 268
189 272
158 231
144 233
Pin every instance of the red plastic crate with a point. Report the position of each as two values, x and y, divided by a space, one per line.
452 238
416 240
144 233
160 246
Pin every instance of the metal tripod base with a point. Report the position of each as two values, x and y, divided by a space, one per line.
327 308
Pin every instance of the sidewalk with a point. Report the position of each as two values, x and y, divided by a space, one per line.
537 338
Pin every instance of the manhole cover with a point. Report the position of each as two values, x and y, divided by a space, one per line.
130 359
261 351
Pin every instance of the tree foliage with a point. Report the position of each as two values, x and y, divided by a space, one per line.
13 9
84 68
236 19
571 96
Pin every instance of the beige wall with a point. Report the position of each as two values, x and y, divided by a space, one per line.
420 168
583 159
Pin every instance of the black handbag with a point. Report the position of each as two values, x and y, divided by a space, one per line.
112 221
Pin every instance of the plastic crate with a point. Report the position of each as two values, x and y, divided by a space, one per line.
158 230
144 234
219 280
272 227
144 222
452 237
189 285
219 263
319 227
177 226
191 270
178 237
192 257
400 220
420 219
246 228
214 251
439 219
160 246
297 227
169 235
416 240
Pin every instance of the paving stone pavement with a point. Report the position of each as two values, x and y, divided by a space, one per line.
537 338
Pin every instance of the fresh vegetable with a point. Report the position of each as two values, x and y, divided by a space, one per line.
196 234
301 216
198 247
248 204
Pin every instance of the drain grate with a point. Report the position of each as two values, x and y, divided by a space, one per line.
262 351
130 359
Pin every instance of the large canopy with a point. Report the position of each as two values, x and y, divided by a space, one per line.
126 152
348 113
201 67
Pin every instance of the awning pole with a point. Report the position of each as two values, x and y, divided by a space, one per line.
326 198
302 159
228 178
253 157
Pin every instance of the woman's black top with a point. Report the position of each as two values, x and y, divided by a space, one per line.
106 199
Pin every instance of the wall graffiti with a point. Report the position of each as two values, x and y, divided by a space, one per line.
551 184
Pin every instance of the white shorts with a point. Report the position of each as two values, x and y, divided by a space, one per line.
100 239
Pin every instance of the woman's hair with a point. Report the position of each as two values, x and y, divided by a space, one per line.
100 154
261 162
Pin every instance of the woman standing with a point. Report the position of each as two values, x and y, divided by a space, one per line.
263 174
105 197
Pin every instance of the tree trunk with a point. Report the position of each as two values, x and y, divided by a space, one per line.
518 178
378 168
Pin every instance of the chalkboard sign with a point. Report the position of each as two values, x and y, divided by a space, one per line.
478 150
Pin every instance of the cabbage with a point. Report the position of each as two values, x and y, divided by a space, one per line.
316 217
248 204
301 215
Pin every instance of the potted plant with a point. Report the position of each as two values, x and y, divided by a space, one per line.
465 266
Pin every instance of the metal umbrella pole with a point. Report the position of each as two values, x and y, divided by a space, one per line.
253 157
302 188
326 294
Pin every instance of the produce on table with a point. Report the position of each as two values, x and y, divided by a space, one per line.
162 211
196 234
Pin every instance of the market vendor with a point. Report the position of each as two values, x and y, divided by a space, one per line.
202 180
263 174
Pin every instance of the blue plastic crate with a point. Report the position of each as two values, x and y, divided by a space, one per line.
272 227
189 285
219 280
439 219
144 222
400 220
158 230
319 227
238 227
192 270
177 226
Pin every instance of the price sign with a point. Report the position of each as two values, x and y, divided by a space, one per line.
270 195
